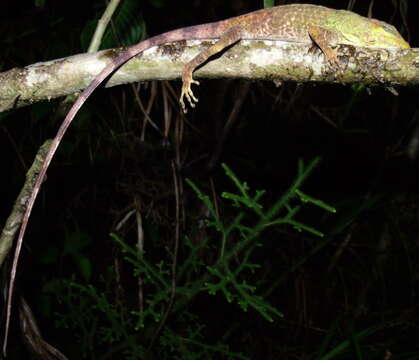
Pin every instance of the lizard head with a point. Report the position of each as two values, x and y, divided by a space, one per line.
387 34
358 30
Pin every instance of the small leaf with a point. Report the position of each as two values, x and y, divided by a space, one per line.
40 3
84 265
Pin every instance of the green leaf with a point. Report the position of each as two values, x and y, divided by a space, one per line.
40 3
84 265
308 199
158 3
128 27
75 242
268 3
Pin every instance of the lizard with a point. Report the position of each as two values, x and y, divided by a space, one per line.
300 23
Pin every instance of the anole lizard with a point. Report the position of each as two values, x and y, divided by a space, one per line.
301 23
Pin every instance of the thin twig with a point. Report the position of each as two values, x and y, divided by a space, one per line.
102 25
13 224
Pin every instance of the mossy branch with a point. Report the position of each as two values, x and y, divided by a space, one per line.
256 60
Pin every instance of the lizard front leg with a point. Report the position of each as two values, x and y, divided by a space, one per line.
228 38
324 39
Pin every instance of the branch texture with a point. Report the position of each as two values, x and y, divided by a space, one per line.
256 59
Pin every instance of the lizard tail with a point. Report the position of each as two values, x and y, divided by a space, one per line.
204 31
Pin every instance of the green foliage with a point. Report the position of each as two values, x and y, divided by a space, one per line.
346 277
75 244
268 3
194 341
80 315
107 321
128 27
232 283
348 347
158 3
40 3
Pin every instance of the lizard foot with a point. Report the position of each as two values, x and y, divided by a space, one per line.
187 81
188 93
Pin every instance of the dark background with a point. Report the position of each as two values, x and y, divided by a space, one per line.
365 275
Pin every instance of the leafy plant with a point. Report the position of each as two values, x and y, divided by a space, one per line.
131 333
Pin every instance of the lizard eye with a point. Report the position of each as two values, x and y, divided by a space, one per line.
389 28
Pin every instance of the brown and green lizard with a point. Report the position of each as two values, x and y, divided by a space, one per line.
299 23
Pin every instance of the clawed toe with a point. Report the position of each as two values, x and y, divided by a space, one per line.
188 94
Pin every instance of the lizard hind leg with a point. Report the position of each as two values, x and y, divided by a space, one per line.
229 37
187 81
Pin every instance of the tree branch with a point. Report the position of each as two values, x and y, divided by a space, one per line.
14 220
268 60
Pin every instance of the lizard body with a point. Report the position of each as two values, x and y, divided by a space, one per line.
300 23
